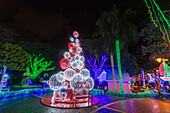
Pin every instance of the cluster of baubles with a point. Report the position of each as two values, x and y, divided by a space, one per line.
73 66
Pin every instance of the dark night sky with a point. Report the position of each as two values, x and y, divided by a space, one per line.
53 20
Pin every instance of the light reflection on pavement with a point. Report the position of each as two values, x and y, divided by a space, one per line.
107 104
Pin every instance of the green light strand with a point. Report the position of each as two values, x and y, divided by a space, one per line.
161 13
150 14
156 18
166 69
119 65
160 26
161 16
166 11
24 81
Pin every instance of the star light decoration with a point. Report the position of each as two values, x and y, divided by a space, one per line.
74 68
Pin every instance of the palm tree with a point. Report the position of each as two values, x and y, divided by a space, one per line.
112 26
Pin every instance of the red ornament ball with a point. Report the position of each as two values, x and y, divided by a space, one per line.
65 63
75 34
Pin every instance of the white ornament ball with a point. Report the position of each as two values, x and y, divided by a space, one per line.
67 55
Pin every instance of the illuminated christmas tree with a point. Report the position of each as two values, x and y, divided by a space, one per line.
74 74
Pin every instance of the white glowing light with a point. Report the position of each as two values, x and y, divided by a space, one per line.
85 73
71 60
76 78
60 76
82 58
74 65
79 50
76 57
55 81
71 39
90 82
69 73
66 54
81 65
70 50
77 40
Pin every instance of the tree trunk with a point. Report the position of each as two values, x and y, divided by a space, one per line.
3 75
95 80
143 77
119 65
113 73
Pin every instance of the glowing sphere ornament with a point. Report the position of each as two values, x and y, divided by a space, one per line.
60 76
65 63
66 54
71 45
85 73
78 49
74 65
71 39
69 73
75 34
55 83
82 58
90 82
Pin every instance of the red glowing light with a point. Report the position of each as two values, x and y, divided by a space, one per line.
65 63
70 45
77 70
76 34
74 50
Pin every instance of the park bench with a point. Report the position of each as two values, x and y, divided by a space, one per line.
81 94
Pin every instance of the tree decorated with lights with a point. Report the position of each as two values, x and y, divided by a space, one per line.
74 72
37 66
159 18
13 57
97 65
112 26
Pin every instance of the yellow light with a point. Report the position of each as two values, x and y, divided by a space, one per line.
159 59
156 70
164 60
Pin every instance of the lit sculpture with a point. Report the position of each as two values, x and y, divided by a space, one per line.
4 82
97 65
45 82
74 76
37 66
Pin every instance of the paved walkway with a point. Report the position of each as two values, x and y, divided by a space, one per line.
108 104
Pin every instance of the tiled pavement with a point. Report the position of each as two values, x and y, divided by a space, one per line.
108 104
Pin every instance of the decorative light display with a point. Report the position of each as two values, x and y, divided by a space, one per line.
150 78
74 75
37 66
4 83
119 65
158 18
45 74
4 80
97 65
45 82
102 76
164 69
